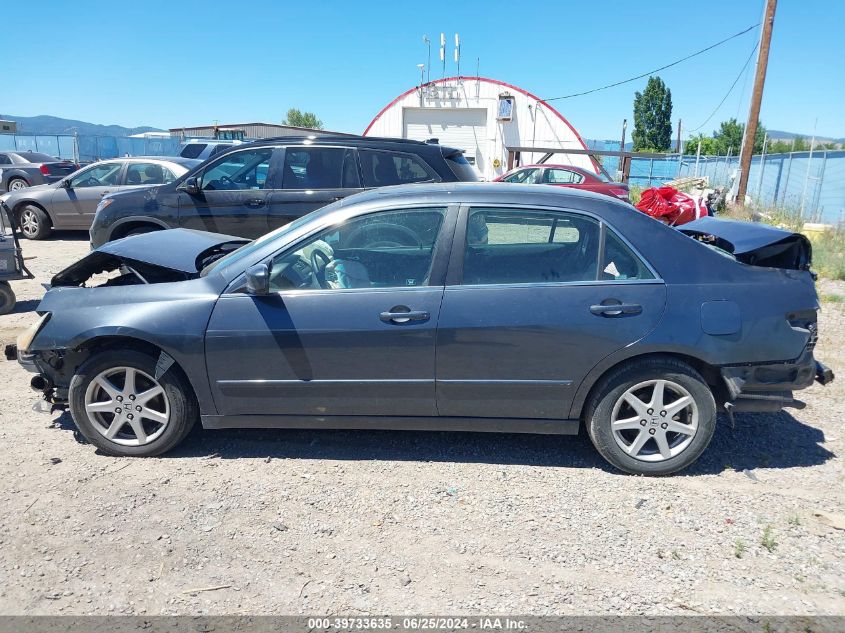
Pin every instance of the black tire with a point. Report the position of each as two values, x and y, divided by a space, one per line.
599 414
34 223
20 182
183 407
7 298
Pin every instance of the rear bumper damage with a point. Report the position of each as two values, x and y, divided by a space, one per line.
769 387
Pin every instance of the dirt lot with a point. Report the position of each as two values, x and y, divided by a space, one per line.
388 522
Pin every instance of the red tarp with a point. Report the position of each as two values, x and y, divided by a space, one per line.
671 206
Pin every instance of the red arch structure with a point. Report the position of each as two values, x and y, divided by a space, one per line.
488 80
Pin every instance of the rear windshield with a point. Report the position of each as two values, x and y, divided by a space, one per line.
37 157
192 150
461 168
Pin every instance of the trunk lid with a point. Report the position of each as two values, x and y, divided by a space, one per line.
754 243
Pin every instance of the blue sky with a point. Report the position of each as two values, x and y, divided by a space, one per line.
190 62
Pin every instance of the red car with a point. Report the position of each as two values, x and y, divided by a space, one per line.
566 176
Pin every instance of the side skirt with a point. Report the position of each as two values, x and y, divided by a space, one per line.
485 425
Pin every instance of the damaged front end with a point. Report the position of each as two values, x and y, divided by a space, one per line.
158 257
108 297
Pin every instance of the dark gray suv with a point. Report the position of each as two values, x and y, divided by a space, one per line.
254 188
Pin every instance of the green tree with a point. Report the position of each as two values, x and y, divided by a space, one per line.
708 145
303 119
653 117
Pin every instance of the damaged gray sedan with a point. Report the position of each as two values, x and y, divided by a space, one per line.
435 307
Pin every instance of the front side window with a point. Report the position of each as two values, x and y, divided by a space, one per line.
563 177
102 175
382 168
388 249
526 176
148 174
239 171
320 168
512 246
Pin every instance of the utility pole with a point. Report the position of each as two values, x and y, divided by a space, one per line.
678 144
756 98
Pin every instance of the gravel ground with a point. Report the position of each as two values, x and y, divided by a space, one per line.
310 522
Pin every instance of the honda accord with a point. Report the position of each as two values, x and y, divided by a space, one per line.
483 307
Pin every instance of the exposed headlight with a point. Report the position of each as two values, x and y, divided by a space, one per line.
26 337
104 203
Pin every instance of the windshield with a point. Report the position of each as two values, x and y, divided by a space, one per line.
248 249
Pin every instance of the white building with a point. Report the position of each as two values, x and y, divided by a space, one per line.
483 117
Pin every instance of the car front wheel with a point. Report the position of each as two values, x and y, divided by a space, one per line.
34 223
652 417
123 404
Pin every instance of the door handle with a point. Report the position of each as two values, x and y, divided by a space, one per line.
616 309
255 202
399 315
104 193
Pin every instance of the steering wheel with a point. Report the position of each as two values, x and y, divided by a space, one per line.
90 181
381 235
318 270
227 181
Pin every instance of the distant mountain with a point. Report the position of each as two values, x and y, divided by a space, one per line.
788 136
44 124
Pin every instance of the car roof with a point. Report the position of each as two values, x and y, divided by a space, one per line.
479 192
342 139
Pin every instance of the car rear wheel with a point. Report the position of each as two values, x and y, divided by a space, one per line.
125 406
7 298
34 223
16 184
652 417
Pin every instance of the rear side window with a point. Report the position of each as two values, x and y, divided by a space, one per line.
461 167
148 174
220 148
320 168
5 160
192 150
511 246
620 262
563 177
392 168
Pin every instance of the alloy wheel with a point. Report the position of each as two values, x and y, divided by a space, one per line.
29 222
17 185
654 420
127 406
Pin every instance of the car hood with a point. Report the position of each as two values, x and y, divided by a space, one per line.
171 255
754 243
28 192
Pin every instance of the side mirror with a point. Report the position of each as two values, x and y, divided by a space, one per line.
66 184
191 186
258 280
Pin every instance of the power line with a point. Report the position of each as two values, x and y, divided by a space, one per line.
728 93
675 63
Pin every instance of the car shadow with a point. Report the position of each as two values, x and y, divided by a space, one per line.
70 236
773 440
27 305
